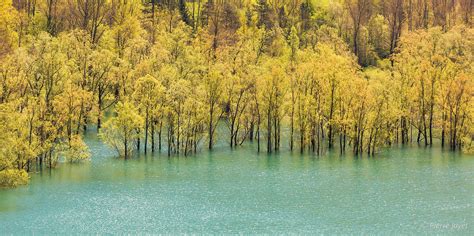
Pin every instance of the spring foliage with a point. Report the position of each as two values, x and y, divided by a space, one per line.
176 76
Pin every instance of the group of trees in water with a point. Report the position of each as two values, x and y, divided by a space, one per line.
162 75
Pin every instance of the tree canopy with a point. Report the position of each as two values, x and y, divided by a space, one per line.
176 76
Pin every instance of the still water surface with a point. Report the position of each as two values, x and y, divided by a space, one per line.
403 190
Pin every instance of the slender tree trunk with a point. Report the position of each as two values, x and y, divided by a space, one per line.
292 127
178 133
302 134
125 144
275 133
258 136
431 111
159 135
153 136
232 134
331 111
356 47
211 114
138 144
425 14
146 130
169 139
410 15
99 116
318 139
443 129
269 131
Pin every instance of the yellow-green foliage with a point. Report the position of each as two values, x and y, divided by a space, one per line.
75 150
13 178
358 73
8 35
121 131
17 147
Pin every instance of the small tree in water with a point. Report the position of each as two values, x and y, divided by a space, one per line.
121 131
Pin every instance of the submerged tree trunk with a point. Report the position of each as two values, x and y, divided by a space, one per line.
152 137
146 131
159 135
269 131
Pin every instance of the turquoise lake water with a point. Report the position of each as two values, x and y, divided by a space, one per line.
400 191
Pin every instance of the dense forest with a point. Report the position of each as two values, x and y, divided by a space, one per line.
162 75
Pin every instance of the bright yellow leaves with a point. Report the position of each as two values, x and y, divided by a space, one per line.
158 75
74 150
8 35
13 177
121 132
435 74
18 146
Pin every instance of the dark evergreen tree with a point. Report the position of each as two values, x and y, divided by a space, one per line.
282 18
206 12
306 10
183 11
265 14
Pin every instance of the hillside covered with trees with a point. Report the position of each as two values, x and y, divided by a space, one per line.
162 75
